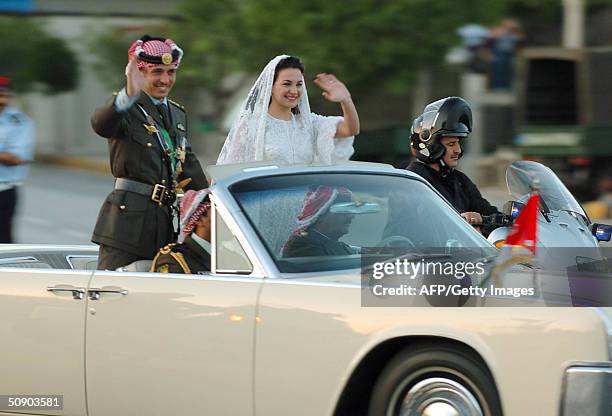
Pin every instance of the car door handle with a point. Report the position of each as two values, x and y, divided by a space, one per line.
94 293
78 293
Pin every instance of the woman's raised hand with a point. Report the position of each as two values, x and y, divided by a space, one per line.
333 89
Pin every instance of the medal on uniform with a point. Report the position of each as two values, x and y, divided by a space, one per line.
180 154
151 129
182 147
180 186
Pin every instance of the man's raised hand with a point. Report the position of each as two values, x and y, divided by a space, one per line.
134 79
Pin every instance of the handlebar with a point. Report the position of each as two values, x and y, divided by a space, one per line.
496 220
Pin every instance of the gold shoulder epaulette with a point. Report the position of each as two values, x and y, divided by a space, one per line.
167 248
180 259
182 107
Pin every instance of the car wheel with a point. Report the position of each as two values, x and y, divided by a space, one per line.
435 380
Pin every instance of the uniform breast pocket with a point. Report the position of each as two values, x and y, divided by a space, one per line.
122 217
150 157
145 140
147 143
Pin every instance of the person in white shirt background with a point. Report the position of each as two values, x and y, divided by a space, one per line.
17 140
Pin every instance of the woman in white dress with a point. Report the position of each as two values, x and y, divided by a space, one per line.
276 123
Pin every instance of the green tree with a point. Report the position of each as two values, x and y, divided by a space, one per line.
372 45
30 56
368 43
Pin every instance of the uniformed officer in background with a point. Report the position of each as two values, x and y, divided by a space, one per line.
149 157
17 139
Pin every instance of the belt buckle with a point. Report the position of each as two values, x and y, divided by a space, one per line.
159 192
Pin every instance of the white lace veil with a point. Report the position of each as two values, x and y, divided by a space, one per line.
245 141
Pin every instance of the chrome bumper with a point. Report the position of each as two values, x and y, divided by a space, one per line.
587 390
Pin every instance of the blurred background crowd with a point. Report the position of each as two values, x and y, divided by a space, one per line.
534 71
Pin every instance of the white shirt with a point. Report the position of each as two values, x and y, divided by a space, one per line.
17 136
202 243
123 101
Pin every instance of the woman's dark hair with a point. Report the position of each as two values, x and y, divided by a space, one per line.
289 62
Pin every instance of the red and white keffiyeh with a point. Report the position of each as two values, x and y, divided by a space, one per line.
318 201
167 50
193 205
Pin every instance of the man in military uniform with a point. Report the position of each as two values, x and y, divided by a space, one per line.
16 152
149 156
192 253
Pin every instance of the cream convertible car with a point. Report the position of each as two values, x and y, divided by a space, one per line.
282 326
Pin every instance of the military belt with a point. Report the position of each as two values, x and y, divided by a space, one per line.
160 194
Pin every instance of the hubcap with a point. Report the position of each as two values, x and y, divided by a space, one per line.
438 396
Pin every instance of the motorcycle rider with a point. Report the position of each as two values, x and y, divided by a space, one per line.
436 142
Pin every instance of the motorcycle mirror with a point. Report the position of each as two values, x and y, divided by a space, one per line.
513 208
602 232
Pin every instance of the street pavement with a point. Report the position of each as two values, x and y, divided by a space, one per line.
58 205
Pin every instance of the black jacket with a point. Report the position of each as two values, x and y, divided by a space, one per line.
174 257
130 221
307 242
456 187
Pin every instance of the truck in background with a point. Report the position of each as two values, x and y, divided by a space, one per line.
564 115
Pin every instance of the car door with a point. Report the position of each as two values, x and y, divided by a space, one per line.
162 344
42 333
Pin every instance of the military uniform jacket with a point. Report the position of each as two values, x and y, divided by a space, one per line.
186 257
130 221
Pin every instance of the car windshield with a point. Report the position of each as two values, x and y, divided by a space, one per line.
323 222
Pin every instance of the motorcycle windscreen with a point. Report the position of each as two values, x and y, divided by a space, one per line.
523 175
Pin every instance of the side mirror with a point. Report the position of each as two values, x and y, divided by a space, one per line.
513 208
602 232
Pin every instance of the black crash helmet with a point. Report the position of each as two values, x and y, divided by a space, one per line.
449 116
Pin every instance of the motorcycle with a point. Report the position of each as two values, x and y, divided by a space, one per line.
562 221
567 241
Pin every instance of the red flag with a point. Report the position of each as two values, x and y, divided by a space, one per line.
524 230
